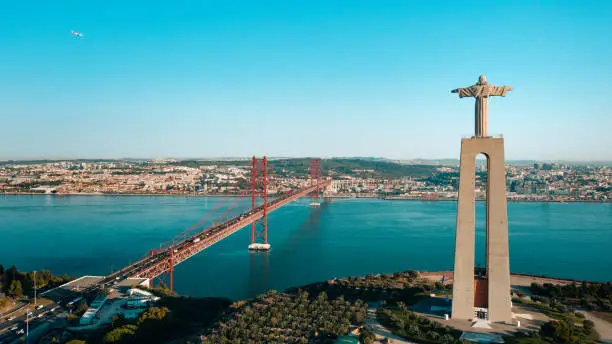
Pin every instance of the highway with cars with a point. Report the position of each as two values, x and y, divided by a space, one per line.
15 325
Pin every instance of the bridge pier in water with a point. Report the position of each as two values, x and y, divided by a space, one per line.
259 227
315 178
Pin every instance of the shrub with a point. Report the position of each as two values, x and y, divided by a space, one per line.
366 335
447 339
120 333
561 308
588 325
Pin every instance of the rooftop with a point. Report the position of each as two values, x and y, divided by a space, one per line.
130 282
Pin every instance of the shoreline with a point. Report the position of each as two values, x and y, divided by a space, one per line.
248 196
524 277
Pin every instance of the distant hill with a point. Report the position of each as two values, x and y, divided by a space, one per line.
380 168
352 162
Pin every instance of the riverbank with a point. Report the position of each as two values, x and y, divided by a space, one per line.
390 198
483 199
517 279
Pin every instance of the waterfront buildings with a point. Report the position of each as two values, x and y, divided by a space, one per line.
525 182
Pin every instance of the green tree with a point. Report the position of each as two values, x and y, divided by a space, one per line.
15 289
559 331
28 285
366 335
82 308
9 276
153 313
447 339
120 333
588 326
74 341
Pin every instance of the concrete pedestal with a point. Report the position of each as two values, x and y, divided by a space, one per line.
497 251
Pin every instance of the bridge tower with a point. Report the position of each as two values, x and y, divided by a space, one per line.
171 269
315 178
259 188
165 272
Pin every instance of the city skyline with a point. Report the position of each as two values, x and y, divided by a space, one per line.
440 161
207 79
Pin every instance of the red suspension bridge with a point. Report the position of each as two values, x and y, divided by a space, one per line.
194 240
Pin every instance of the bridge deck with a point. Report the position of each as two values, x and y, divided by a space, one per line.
160 262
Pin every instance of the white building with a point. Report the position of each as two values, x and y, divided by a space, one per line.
140 298
93 309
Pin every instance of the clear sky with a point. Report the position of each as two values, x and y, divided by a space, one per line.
301 78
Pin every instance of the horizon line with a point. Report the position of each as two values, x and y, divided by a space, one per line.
220 158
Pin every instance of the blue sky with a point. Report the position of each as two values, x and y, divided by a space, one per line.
301 78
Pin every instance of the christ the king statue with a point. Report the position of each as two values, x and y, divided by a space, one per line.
482 90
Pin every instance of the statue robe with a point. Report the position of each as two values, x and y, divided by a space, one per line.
481 93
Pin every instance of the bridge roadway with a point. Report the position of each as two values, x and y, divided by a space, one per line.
160 261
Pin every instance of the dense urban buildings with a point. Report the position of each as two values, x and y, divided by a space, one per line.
350 177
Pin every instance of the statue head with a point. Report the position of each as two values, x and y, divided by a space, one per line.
482 80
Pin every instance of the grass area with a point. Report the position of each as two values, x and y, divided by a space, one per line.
6 304
366 167
590 295
537 338
548 310
43 301
565 328
407 324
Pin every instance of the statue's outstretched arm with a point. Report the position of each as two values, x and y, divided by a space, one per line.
500 90
464 92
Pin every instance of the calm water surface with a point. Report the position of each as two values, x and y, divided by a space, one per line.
96 234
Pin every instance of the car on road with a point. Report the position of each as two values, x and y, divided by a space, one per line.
14 328
40 307
10 319
20 331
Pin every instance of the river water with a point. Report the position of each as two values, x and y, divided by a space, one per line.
97 234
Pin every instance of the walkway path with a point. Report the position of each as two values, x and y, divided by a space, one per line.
381 331
602 327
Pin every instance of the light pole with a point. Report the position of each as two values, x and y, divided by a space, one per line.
27 325
34 287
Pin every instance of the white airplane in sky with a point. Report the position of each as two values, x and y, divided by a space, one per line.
77 34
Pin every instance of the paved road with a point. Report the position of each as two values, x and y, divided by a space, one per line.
19 321
14 309
602 327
